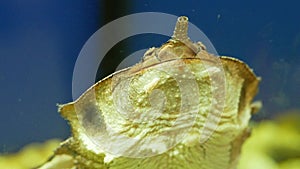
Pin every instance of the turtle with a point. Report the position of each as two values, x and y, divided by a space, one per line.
179 107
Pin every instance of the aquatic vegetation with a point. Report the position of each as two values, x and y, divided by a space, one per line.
30 156
274 144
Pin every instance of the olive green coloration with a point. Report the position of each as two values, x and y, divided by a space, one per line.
180 107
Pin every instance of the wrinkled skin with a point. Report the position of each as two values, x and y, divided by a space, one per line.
188 109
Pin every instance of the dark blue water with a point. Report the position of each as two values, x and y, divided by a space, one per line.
40 41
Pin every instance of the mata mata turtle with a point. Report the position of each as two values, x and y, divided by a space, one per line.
180 107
